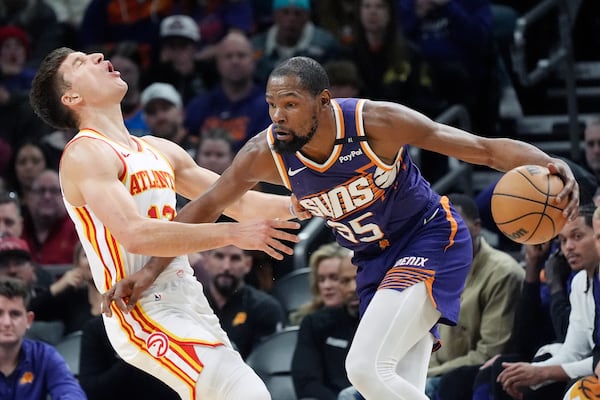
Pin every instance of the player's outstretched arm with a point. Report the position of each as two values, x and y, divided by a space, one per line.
90 176
193 180
390 126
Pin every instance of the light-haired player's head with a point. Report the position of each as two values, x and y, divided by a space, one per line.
47 89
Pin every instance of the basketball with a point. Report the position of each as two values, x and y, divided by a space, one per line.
584 389
524 205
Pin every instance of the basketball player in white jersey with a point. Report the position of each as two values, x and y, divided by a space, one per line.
120 192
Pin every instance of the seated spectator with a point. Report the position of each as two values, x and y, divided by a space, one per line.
163 113
486 316
108 22
338 17
217 18
39 21
237 103
29 369
546 376
49 232
215 150
292 34
67 299
15 76
344 79
246 313
455 38
11 221
387 64
28 163
591 140
15 262
177 64
318 364
324 266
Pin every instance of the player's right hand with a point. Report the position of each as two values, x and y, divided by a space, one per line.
265 235
126 292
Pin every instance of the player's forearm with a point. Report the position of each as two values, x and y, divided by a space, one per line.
171 239
260 205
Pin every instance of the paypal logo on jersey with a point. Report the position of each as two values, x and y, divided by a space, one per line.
349 157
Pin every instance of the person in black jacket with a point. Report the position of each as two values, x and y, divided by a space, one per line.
323 342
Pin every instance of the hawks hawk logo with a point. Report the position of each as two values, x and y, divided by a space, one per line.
157 344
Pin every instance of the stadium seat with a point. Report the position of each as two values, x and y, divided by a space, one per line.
293 290
272 361
69 347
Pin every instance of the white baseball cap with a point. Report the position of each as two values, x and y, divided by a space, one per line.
181 26
160 90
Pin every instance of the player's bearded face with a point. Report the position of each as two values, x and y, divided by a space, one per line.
226 284
297 141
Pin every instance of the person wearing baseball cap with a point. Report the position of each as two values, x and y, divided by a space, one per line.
163 112
178 63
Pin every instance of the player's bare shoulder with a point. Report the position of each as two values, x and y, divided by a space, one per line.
255 160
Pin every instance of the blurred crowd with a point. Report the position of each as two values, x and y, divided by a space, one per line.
196 72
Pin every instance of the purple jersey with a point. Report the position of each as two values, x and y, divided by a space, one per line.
367 202
400 230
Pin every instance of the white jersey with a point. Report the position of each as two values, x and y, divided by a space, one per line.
150 180
172 324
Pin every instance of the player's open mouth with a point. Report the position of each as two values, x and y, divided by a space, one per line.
283 136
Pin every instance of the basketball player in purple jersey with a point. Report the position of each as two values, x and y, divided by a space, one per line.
347 161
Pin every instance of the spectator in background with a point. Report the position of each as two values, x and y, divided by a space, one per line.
39 21
552 366
108 22
292 34
318 364
49 231
163 113
456 38
246 313
67 299
29 369
217 18
338 17
387 63
591 138
16 76
11 221
237 103
344 79
324 266
127 59
177 64
215 150
28 163
486 316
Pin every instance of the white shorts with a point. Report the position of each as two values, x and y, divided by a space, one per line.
166 330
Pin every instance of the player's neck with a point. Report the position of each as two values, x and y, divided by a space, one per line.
321 145
9 358
108 121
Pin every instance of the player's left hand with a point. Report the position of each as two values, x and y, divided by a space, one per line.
126 292
518 375
571 189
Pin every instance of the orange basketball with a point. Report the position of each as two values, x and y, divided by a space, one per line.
524 205
586 388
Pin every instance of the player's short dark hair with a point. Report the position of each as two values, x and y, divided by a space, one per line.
13 288
311 74
467 204
46 90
